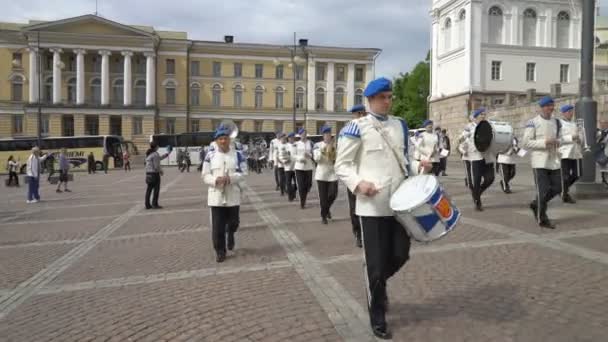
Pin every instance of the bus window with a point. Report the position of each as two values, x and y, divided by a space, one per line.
163 140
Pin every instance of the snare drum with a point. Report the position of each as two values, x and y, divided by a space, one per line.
422 206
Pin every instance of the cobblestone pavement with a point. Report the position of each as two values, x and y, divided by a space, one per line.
93 265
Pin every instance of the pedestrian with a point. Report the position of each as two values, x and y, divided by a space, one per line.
33 169
324 154
443 161
506 166
287 158
106 161
153 174
187 160
272 154
12 166
49 165
429 148
91 166
64 167
223 171
571 151
201 158
126 160
282 154
304 166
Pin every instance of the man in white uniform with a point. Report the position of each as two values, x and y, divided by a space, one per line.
506 166
571 153
428 148
324 153
304 166
289 162
282 150
272 150
480 165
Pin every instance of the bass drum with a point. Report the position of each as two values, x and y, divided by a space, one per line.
496 137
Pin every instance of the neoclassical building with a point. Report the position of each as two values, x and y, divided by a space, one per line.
89 75
501 52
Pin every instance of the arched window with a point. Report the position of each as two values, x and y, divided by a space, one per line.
339 100
118 91
17 88
96 91
563 30
259 97
300 97
462 16
195 94
320 99
216 94
447 34
48 89
495 23
170 92
529 31
238 95
140 92
278 96
359 96
72 90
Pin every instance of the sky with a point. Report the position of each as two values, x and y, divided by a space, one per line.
399 27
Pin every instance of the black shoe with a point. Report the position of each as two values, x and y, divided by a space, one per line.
324 220
302 206
478 206
358 242
381 331
534 209
221 257
444 174
157 207
568 199
67 190
508 191
277 188
329 215
230 241
546 224
502 186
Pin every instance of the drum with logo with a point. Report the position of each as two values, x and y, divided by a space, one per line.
422 206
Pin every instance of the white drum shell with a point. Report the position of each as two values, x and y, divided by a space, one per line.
502 137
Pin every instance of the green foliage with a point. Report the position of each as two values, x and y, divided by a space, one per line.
410 91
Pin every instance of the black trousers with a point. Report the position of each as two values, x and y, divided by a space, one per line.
571 171
223 220
386 246
91 167
443 164
277 179
127 165
106 162
354 219
478 170
436 169
507 172
548 185
290 181
304 180
328 191
12 175
153 181
282 183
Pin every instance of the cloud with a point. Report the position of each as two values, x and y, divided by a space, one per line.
400 28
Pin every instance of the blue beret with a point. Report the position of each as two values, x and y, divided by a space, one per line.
357 108
291 135
427 122
566 108
377 86
545 101
478 112
221 132
325 129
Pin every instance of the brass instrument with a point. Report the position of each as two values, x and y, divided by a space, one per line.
580 124
329 151
224 197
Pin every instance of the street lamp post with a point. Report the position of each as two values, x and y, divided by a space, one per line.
295 60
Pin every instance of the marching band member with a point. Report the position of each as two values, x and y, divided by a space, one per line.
289 164
304 166
479 165
372 162
463 146
223 171
506 166
428 148
358 112
542 137
324 153
281 150
445 144
571 152
272 150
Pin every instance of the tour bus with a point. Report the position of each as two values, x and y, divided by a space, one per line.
78 149
192 142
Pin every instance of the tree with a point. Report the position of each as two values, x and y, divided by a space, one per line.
411 91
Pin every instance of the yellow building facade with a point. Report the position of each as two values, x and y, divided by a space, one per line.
89 76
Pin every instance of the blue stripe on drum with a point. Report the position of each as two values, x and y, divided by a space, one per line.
436 197
428 222
453 220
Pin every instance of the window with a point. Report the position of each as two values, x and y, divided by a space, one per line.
529 30
462 16
170 126
496 70
497 102
137 125
564 73
17 124
194 125
447 35
279 72
238 70
140 92
17 60
259 97
320 99
300 97
170 92
96 64
339 100
279 97
44 128
72 90
359 97
195 68
238 96
320 72
217 69
495 23
299 72
359 73
340 73
195 94
118 91
67 125
91 125
96 91
118 66
140 66
258 125
259 71
530 72
17 88
48 62
563 30
216 93
170 65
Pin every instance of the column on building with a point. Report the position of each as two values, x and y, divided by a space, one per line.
551 29
518 33
575 32
350 86
127 78
311 88
150 79
57 66
105 77
80 88
34 79
541 33
331 86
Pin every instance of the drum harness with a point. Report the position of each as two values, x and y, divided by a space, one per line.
378 127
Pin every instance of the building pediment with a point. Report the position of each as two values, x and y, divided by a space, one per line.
91 25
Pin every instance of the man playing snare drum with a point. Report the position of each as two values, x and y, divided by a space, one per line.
372 163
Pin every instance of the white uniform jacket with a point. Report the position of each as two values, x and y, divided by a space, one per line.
510 155
218 164
471 152
537 130
325 167
429 147
304 162
363 154
570 149
272 149
286 156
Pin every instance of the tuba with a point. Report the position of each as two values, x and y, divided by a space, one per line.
329 151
